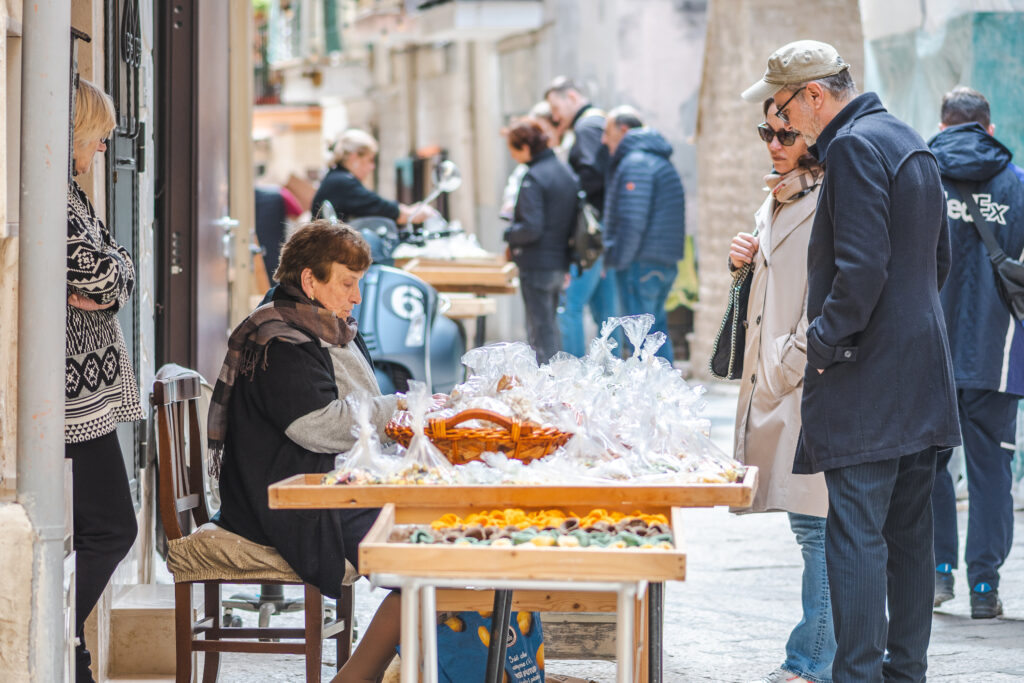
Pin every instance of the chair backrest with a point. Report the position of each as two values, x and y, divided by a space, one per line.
180 444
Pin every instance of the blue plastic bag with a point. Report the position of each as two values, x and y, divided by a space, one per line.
463 639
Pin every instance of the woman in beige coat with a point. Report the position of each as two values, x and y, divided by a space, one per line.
768 413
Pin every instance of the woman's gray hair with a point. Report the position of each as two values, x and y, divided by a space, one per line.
352 142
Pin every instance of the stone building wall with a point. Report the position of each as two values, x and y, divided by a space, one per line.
731 159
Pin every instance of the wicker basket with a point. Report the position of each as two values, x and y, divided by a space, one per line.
524 441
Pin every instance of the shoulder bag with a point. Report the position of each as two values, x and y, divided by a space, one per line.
727 353
1009 272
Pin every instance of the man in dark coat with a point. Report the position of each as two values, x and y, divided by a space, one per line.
582 123
879 399
987 344
644 218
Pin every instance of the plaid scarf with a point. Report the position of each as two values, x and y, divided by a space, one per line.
295 321
795 184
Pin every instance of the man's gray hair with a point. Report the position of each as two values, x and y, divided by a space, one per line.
562 86
625 115
840 86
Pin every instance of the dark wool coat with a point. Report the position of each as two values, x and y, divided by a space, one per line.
350 198
877 257
645 210
545 215
987 343
295 381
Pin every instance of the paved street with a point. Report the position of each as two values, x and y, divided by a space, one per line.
728 622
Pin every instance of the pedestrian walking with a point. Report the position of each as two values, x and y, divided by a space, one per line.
538 237
644 218
879 400
987 344
582 125
774 357
100 388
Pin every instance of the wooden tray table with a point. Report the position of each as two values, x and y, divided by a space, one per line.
422 569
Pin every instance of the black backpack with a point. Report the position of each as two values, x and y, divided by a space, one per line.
586 243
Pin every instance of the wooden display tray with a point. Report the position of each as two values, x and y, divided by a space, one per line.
436 560
469 306
478 276
304 492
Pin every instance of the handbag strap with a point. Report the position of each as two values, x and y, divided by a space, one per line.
995 252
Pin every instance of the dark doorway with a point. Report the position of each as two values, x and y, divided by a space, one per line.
192 184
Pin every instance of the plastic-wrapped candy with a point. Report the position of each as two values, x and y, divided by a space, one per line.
365 462
422 462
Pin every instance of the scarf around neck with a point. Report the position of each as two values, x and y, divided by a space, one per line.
297 320
791 186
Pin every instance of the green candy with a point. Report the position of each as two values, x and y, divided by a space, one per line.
521 537
421 536
660 538
600 538
582 536
630 539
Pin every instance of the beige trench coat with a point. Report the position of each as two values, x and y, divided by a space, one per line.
768 412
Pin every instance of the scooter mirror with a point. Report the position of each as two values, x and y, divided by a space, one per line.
327 212
447 176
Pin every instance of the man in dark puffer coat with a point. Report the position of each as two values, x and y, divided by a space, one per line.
644 217
987 345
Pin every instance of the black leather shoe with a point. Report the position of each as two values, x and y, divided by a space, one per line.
943 587
986 605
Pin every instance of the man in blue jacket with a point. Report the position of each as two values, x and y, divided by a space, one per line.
644 217
987 344
879 399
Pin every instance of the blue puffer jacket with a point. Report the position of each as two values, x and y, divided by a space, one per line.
644 208
986 342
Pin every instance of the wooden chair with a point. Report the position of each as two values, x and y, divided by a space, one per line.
213 556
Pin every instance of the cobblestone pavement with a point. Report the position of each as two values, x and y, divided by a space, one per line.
728 622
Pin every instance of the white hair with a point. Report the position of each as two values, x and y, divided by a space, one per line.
352 142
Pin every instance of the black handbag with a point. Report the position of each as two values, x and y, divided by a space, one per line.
727 353
1009 272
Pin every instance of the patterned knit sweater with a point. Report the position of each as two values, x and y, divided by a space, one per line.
99 385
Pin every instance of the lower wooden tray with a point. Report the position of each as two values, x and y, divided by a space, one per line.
304 491
379 556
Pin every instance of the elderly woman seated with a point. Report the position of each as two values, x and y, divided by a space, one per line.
280 409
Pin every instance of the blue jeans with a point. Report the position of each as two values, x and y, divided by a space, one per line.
878 548
812 644
587 288
643 288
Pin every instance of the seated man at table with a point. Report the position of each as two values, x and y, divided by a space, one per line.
279 409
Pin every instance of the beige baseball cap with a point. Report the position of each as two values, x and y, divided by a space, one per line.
797 62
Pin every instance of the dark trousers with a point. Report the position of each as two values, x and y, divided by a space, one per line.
541 290
988 419
878 549
104 526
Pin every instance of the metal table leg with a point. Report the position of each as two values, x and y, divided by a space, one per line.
655 630
498 649
428 605
410 636
480 333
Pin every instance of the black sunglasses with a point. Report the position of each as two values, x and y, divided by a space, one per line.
786 137
781 113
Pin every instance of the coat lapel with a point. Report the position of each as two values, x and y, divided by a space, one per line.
797 214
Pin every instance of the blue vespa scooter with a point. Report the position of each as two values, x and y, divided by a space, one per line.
401 317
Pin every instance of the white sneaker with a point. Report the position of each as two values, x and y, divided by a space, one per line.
781 675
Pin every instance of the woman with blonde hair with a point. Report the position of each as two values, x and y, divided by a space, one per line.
353 159
100 387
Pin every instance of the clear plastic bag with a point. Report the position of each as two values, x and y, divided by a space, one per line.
422 462
364 463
